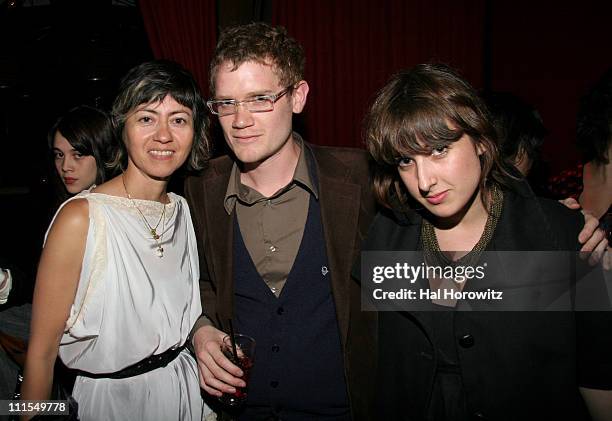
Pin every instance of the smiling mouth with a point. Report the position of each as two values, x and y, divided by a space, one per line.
164 153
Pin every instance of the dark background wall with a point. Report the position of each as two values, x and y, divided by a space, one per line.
550 53
53 55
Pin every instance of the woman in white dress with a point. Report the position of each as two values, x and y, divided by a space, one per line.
117 287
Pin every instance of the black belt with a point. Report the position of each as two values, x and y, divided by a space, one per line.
141 367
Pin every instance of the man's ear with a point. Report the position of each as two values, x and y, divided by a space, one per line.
299 95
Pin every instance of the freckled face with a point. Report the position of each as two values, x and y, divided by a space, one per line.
77 171
446 180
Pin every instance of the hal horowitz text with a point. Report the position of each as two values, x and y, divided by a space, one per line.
440 294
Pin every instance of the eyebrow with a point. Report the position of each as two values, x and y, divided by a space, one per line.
248 95
154 111
59 150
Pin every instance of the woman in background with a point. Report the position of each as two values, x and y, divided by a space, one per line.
81 142
438 170
117 287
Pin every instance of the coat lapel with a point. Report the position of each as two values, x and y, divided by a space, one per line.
340 202
409 240
220 240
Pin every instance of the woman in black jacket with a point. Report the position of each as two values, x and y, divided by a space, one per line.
434 150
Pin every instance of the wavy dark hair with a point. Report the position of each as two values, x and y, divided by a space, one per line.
90 131
427 107
519 126
151 82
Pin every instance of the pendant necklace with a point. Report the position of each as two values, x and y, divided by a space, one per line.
159 250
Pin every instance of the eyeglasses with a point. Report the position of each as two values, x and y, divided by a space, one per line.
258 104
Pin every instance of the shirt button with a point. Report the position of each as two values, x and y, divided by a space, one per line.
274 384
275 348
466 341
272 249
280 311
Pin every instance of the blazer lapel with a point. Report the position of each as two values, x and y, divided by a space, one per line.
340 202
220 243
410 238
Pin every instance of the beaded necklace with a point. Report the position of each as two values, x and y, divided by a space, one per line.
431 249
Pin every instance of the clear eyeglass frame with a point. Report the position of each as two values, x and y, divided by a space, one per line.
258 104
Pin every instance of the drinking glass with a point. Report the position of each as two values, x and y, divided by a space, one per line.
245 350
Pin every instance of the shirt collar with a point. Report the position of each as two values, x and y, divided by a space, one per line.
301 177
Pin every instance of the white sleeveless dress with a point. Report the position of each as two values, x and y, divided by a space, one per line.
131 304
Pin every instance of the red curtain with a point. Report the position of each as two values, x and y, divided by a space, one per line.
183 31
353 46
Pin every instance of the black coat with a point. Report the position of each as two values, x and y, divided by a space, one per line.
514 365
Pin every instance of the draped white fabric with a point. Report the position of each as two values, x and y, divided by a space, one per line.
131 304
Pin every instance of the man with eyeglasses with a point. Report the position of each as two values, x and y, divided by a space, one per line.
279 225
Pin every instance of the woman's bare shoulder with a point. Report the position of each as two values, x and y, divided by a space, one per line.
72 217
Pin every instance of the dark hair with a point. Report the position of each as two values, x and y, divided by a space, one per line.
261 43
418 110
152 82
519 126
594 125
90 132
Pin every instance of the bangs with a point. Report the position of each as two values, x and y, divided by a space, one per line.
76 136
148 93
152 88
415 128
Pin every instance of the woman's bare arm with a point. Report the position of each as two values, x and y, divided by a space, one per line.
56 284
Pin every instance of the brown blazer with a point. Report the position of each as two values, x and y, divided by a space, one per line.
347 208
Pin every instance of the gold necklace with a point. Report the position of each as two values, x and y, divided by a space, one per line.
159 250
431 249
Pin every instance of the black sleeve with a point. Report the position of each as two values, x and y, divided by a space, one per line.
594 342
593 315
